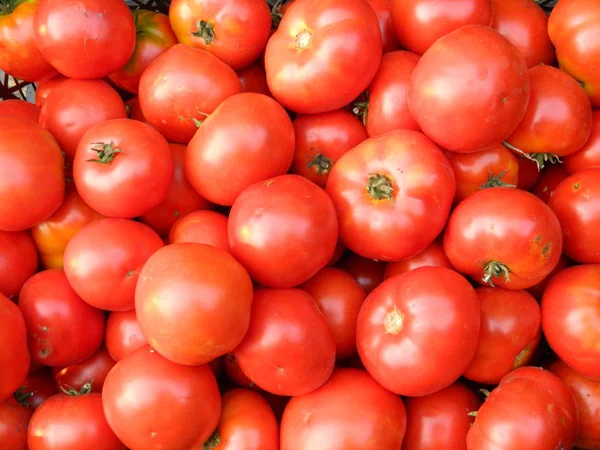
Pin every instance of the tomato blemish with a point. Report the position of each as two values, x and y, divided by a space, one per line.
393 322
303 39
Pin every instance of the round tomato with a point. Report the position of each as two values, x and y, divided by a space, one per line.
383 9
192 84
19 108
202 227
18 261
321 139
529 173
99 38
14 358
189 394
513 247
432 256
153 37
259 146
31 174
14 421
589 155
368 272
399 330
88 375
283 230
62 329
470 90
123 334
350 412
254 79
35 389
323 55
392 194
549 179
43 89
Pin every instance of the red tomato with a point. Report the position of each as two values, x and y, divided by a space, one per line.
62 329
102 30
192 84
19 54
392 194
202 227
189 394
321 139
123 334
259 146
575 202
368 272
549 179
31 174
496 166
399 330
88 375
571 27
470 90
440 420
235 373
43 89
14 421
571 318
345 35
283 230
153 37
538 290
340 249
35 389
350 412
532 409
432 256
73 107
339 297
529 173
18 261
514 248
383 9
289 348
587 397
14 358
589 155
19 108
254 79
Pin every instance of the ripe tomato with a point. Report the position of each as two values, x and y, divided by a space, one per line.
432 256
392 194
62 329
529 173
574 202
538 290
254 79
368 272
345 35
192 84
193 302
587 397
339 297
19 54
189 394
470 90
73 107
350 412
235 373
418 24
123 334
87 376
19 108
383 9
496 166
43 88
532 409
35 389
511 248
102 30
525 25
14 358
570 27
31 174
289 348
18 261
283 230
549 179
153 37
14 421
202 227
589 155
259 146
321 139
440 420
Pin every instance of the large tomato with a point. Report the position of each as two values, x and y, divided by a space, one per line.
202 227
189 394
589 154
95 38
85 376
289 348
123 168
62 329
368 272
14 421
470 90
123 334
32 183
350 412
513 247
432 256
181 88
19 108
259 146
549 180
18 261
392 194
323 55
14 358
399 330
383 9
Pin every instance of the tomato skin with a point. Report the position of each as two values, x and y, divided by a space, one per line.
62 329
14 420
259 146
321 139
399 330
254 79
235 373
202 227
102 30
190 394
440 420
432 256
589 155
43 88
154 36
538 290
383 9
19 108
18 261
312 31
390 226
300 356
350 412
168 106
529 173
123 334
368 272
92 370
31 173
478 109
14 358
549 180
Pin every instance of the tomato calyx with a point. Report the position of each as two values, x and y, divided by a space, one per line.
22 396
495 269
303 39
321 163
393 321
380 187
213 441
106 152
496 181
85 389
8 6
361 111
205 31
539 158
276 14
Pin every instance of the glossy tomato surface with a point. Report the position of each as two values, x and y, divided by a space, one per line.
202 227
123 334
589 154
35 389
383 9
14 421
432 256
18 261
13 339
19 108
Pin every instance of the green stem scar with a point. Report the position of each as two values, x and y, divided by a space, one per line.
379 187
494 269
205 31
106 152
321 163
496 181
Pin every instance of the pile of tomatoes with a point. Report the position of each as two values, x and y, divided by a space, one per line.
317 225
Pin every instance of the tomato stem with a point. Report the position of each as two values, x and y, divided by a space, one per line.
21 396
276 14
393 322
205 31
361 110
496 181
494 269
380 187
539 158
85 389
106 152
213 441
8 6
322 163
